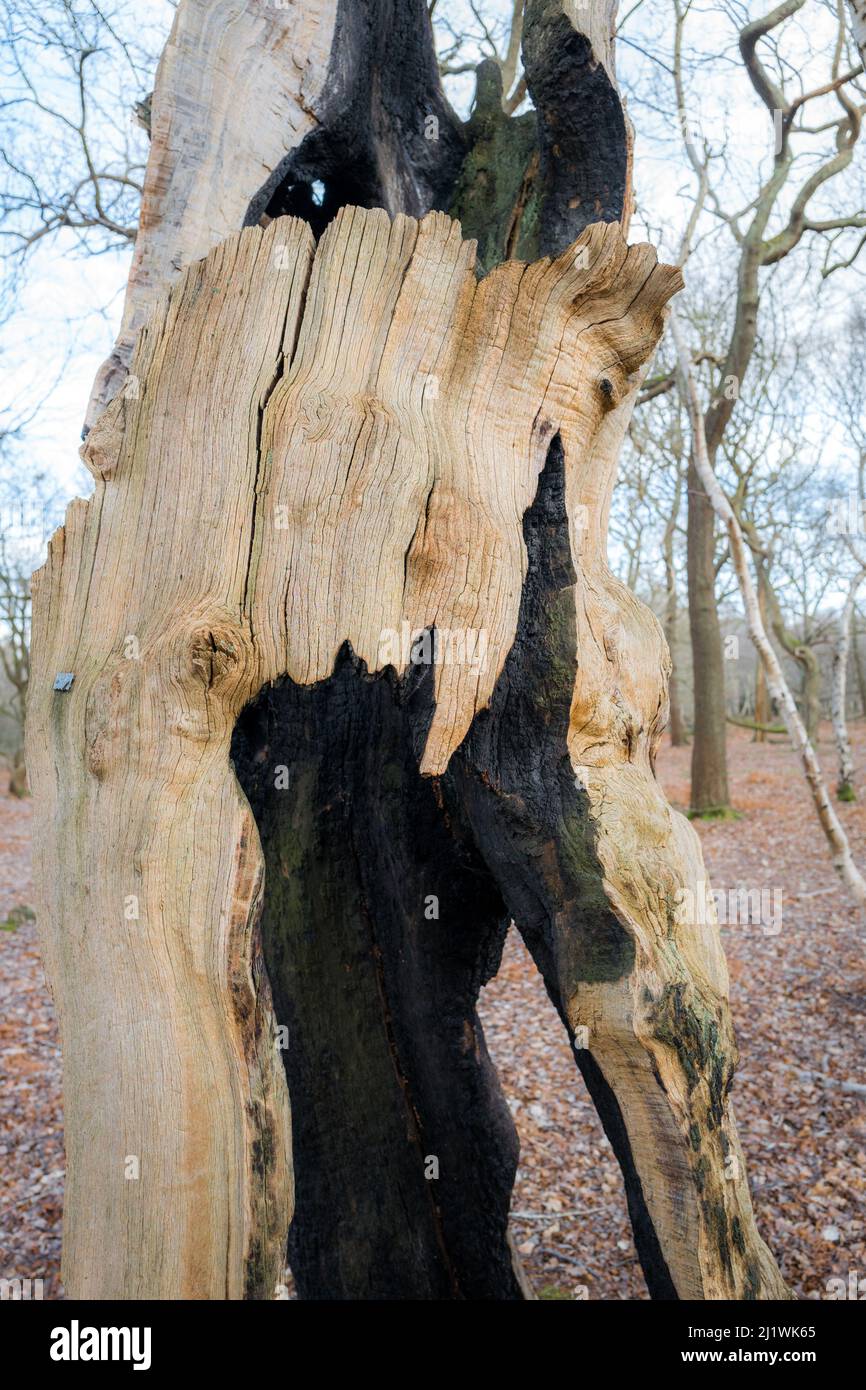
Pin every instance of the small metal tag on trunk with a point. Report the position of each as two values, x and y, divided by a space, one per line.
63 680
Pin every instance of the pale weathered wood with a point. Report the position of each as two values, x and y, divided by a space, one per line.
235 90
314 450
254 102
146 853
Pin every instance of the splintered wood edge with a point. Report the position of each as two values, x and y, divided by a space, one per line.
478 376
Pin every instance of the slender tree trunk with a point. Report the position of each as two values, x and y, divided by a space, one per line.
348 684
845 785
811 668
762 693
858 662
709 794
802 653
676 724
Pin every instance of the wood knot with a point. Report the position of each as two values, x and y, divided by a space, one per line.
100 451
213 655
107 718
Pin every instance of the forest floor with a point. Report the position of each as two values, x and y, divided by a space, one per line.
798 987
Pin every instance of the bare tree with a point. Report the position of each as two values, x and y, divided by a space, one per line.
493 31
785 206
843 860
69 165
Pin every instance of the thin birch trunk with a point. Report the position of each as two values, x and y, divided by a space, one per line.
845 787
858 662
762 694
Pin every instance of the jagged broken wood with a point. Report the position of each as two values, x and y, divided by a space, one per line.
257 106
254 102
327 448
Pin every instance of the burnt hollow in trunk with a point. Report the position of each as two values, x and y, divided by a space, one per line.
387 894
380 925
385 136
532 823
387 899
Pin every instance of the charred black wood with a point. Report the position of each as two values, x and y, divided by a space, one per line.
386 134
380 926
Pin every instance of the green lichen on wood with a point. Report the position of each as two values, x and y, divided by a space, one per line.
719 1226
495 197
694 1036
601 949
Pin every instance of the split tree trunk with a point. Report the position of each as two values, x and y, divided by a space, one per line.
254 102
352 686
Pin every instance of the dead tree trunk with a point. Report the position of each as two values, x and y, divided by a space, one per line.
348 684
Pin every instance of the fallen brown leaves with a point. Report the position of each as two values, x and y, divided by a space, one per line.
799 999
31 1122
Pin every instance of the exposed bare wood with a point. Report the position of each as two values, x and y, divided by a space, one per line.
254 103
226 82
